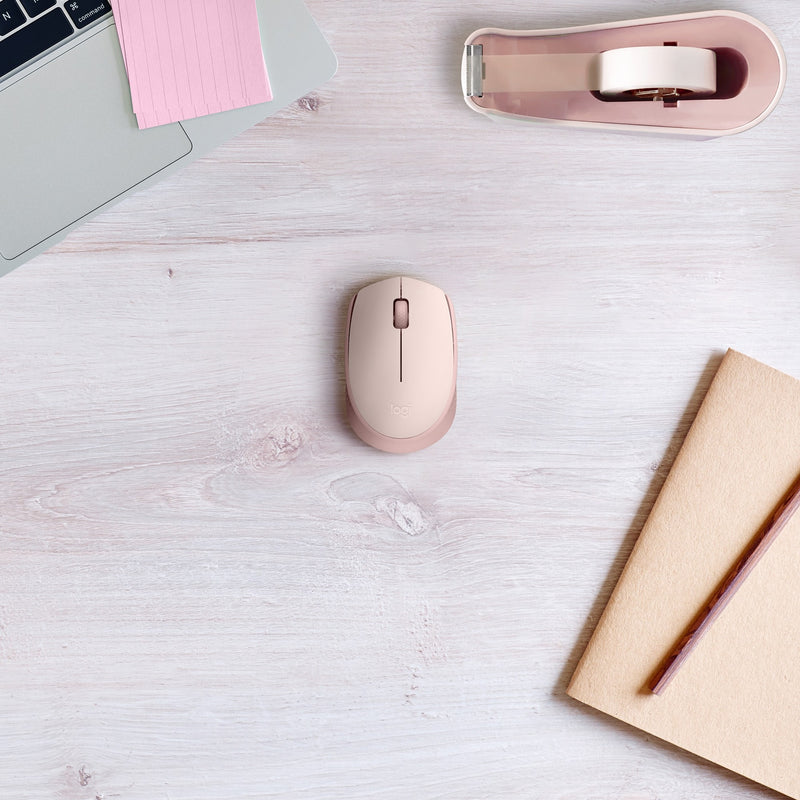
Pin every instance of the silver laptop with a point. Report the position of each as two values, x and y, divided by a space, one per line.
69 143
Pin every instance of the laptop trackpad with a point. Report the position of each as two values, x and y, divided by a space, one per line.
69 143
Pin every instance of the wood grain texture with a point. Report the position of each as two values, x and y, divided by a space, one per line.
209 588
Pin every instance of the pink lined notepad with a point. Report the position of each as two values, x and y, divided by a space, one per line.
188 58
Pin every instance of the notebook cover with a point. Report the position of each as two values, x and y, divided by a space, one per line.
736 700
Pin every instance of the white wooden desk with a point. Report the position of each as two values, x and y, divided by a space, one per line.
211 590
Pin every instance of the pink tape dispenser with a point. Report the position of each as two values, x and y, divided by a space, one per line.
700 75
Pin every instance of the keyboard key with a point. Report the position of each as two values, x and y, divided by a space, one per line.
11 16
35 7
33 39
85 11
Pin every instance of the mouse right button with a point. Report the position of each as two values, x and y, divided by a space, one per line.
428 353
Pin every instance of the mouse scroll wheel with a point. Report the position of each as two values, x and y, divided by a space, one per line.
401 313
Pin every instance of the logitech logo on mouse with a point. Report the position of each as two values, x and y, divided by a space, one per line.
399 409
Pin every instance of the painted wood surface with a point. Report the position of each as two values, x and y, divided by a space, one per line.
209 588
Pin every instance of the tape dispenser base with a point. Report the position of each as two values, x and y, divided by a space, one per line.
700 75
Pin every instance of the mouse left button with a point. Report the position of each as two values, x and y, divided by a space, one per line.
373 351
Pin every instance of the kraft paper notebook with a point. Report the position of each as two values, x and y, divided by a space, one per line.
736 700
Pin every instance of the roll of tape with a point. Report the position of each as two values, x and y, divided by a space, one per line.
657 71
653 72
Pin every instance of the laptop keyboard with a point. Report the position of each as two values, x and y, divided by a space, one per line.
29 28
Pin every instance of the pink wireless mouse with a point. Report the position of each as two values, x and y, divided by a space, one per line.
400 364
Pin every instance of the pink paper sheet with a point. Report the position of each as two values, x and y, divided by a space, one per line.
188 58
